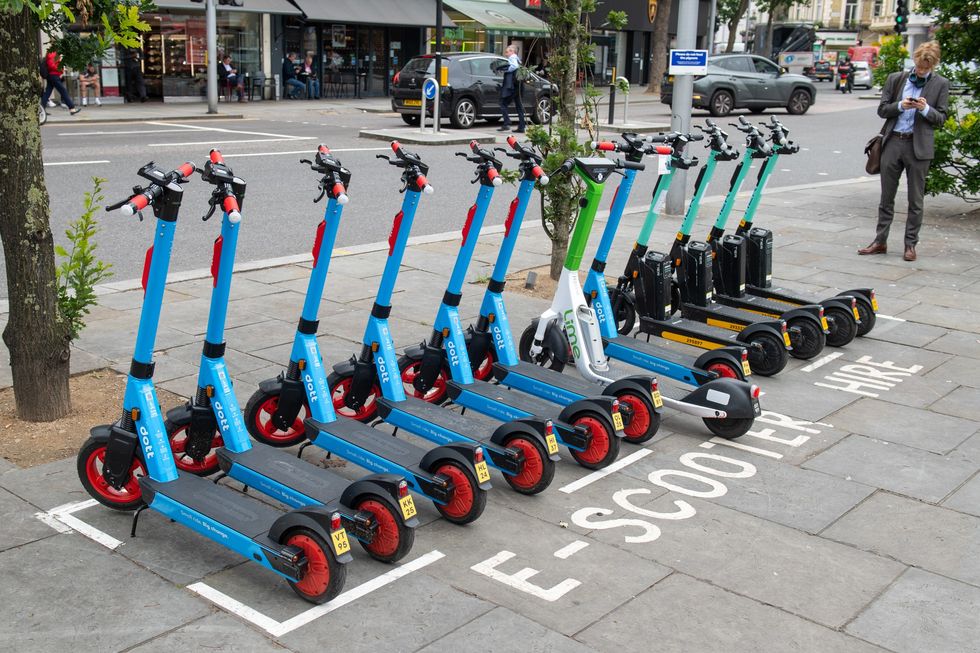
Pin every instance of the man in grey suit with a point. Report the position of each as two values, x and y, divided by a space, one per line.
913 104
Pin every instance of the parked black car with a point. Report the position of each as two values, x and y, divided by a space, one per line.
746 81
473 92
821 71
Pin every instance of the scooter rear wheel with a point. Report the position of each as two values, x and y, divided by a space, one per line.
843 327
538 470
89 462
624 308
868 316
259 410
725 370
604 446
340 385
645 422
729 427
393 539
468 500
811 338
554 348
177 435
410 368
324 577
770 357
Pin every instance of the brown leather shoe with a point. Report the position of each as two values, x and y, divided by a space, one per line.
909 253
874 248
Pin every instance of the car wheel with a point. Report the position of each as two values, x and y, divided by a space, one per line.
722 104
464 113
542 111
799 102
410 119
757 110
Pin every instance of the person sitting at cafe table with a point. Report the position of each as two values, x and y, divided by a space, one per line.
230 78
90 78
291 84
312 83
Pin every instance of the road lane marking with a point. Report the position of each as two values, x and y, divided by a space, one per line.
224 130
606 471
126 132
74 163
820 362
339 149
247 140
568 551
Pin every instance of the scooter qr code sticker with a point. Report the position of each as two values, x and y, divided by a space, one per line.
407 504
746 369
663 164
482 473
658 401
552 443
617 421
341 544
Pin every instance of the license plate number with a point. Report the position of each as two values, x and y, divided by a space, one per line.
552 443
412 103
786 339
857 316
874 304
658 401
341 544
746 369
407 504
823 323
618 421
482 473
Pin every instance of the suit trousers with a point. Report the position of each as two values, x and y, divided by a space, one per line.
897 156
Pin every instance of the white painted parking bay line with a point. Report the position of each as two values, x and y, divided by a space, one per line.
339 149
568 551
605 471
247 140
280 628
64 515
820 362
123 133
74 163
221 129
889 317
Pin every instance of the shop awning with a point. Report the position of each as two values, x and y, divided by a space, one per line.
407 13
500 16
280 7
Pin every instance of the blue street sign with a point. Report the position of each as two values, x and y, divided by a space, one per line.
688 62
429 89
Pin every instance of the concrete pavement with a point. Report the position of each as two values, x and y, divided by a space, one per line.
846 520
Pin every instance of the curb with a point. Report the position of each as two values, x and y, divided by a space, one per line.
412 136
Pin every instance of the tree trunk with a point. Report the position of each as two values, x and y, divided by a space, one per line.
659 48
35 334
769 49
733 25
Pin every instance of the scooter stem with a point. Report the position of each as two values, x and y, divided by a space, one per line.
741 172
512 230
616 209
224 250
704 177
397 242
764 173
662 184
326 237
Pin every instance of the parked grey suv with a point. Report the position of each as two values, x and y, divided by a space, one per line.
746 81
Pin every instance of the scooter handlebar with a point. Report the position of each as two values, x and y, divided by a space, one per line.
631 165
663 149
538 173
216 157
136 204
494 176
340 193
230 205
424 184
605 146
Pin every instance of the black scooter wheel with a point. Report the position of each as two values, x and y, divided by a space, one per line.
868 316
324 577
645 421
259 410
554 348
538 470
809 341
392 539
624 309
467 501
604 445
198 465
729 427
89 462
340 385
843 327
770 356
410 368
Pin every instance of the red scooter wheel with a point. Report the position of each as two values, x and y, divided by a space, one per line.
91 458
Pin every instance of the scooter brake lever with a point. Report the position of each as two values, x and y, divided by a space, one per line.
214 205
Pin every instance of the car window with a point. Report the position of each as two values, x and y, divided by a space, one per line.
736 64
483 66
764 67
425 65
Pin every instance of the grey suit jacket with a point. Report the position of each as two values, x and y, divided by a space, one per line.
936 93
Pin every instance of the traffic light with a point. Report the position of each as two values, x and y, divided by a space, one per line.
901 16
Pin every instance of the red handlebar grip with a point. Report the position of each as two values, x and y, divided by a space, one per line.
186 169
512 141
323 149
421 181
664 149
606 146
230 205
492 174
338 189
395 146
216 157
474 145
537 172
139 202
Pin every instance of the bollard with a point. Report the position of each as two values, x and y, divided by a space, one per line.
612 102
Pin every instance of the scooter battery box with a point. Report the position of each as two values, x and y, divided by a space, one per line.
758 258
653 286
694 274
730 266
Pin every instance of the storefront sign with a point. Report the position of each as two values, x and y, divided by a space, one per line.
688 62
338 36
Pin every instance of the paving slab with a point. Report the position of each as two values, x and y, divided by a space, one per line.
916 533
44 612
904 470
46 486
681 614
783 394
961 402
502 630
922 612
913 427
958 371
967 498
961 343
19 524
951 318
218 632
912 334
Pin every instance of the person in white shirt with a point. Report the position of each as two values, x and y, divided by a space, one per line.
511 90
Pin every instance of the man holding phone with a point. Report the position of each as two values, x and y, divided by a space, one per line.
913 104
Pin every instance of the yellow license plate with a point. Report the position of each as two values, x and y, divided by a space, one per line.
746 370
874 304
618 421
552 443
658 401
786 339
482 473
407 504
823 323
412 103
341 544
857 316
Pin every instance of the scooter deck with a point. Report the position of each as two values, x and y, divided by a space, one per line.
400 452
547 376
781 296
237 512
320 485
502 394
469 427
653 357
721 314
689 332
755 303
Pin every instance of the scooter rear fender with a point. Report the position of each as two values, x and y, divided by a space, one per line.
727 397
807 312
382 486
732 355
531 428
415 352
642 384
269 386
344 367
773 327
463 453
600 405
316 519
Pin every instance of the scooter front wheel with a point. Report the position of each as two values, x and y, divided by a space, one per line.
603 447
645 421
809 339
729 427
89 463
340 385
538 470
483 370
624 309
767 354
392 539
554 348
843 327
410 368
324 577
467 501
200 465
259 410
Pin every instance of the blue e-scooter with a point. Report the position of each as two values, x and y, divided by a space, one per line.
128 465
297 405
376 509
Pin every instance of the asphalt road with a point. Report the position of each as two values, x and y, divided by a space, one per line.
279 215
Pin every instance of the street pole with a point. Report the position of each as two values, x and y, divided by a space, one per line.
435 125
712 17
680 106
212 27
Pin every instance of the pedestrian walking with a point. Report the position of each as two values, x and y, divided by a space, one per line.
913 104
133 70
511 90
52 63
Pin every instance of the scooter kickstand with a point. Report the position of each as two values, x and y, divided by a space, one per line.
299 454
136 517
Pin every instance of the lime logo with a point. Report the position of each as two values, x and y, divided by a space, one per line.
571 333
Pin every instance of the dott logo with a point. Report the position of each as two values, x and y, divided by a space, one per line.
147 443
310 388
571 333
219 412
451 353
383 370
